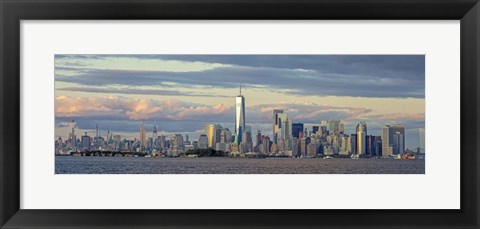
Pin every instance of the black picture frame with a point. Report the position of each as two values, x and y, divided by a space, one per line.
13 11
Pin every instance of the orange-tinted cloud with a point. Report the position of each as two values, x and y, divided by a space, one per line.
133 109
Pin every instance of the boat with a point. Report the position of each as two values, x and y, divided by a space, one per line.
327 157
354 156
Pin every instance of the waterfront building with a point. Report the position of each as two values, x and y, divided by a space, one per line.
282 146
265 144
282 127
97 132
286 129
346 145
210 132
221 146
361 138
354 144
387 146
213 133
179 140
73 137
398 138
195 144
303 145
118 143
295 150
161 142
258 138
399 142
218 134
203 141
86 142
143 135
225 135
312 149
108 136
277 124
189 147
327 151
247 139
239 116
378 147
421 140
274 148
393 140
155 133
371 144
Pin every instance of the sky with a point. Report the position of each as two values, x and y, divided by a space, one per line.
184 93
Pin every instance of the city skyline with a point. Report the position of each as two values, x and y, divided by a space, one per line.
183 94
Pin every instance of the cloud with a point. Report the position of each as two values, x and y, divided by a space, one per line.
118 108
360 76
135 91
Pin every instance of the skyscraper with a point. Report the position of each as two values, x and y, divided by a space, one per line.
353 143
286 130
421 139
73 137
179 140
108 135
210 131
239 117
297 128
86 141
258 138
143 135
362 137
371 144
154 133
393 140
399 138
265 144
202 141
218 135
226 136
282 128
277 124
97 132
387 149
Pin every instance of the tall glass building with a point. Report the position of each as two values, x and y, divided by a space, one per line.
362 137
393 140
239 117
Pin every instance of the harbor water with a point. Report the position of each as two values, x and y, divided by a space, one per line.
223 165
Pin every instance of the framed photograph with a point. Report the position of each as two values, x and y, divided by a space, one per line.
239 114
